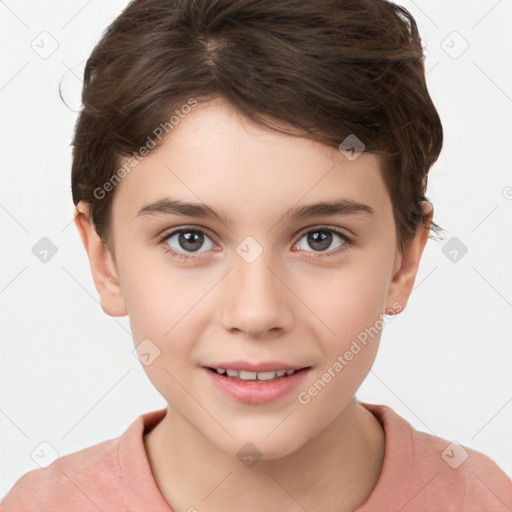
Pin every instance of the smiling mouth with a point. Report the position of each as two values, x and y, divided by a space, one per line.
248 376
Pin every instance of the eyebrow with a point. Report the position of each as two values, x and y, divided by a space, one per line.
168 206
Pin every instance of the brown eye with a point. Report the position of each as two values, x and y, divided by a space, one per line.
187 240
325 241
319 240
190 240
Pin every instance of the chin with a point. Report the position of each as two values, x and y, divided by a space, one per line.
252 449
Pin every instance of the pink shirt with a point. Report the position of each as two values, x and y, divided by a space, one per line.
421 473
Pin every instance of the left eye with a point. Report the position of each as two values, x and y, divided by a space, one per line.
322 239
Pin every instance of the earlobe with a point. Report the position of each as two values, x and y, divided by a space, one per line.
102 265
404 276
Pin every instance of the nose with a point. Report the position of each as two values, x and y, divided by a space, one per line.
256 299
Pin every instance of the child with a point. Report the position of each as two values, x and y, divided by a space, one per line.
289 144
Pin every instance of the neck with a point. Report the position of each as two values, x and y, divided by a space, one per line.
335 471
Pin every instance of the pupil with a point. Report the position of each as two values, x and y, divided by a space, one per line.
323 238
191 237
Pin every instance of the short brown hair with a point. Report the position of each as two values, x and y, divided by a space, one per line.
330 68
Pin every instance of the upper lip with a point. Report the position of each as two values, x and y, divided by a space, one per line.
265 366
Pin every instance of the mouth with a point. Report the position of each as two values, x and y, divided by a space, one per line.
254 376
256 383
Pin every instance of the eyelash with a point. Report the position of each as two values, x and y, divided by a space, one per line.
335 252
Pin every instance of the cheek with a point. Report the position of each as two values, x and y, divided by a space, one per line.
353 310
161 309
349 299
160 303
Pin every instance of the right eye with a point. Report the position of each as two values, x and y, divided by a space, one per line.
182 242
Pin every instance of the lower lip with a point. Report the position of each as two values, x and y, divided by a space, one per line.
250 392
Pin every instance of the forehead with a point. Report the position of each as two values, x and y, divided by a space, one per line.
216 156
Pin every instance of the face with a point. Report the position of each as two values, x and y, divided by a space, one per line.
264 283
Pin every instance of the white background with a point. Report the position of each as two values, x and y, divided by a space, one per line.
67 372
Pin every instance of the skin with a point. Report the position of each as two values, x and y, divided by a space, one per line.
291 304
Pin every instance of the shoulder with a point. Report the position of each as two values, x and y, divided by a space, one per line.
461 471
429 472
76 480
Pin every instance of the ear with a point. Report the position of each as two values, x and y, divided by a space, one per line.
102 264
406 265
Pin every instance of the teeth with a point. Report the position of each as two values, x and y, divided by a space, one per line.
245 375
267 375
